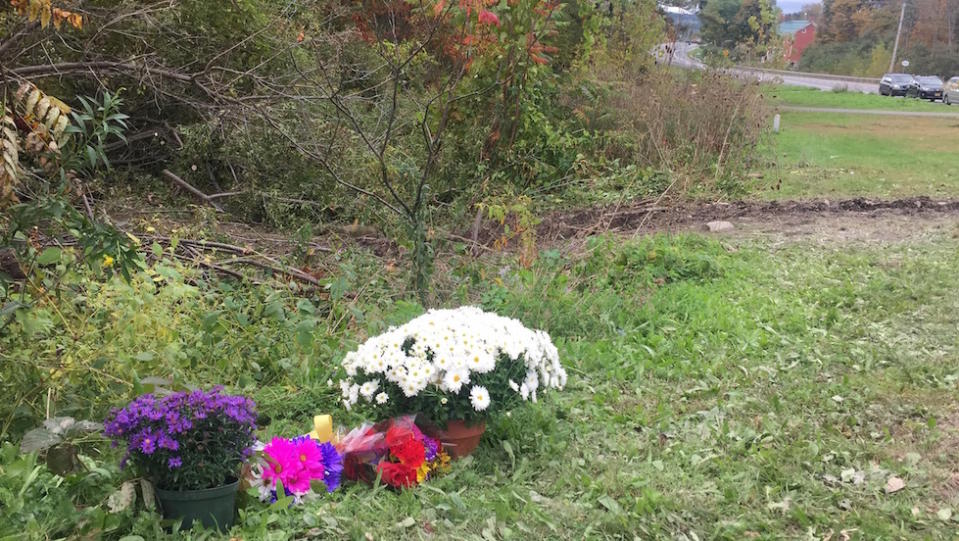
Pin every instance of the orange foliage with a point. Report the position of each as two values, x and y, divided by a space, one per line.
45 12
935 22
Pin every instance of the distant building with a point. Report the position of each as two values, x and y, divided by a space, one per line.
797 35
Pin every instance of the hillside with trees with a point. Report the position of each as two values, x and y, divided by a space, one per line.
856 37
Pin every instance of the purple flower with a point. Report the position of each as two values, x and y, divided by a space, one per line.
333 466
166 442
148 444
431 447
174 462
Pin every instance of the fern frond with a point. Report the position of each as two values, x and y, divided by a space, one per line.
9 159
47 116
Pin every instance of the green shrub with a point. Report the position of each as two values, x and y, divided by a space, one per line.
87 346
38 504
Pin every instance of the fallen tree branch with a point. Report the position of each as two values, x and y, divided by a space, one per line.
146 134
188 187
224 194
65 68
274 266
216 268
12 40
200 243
269 264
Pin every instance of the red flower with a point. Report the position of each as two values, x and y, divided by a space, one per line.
398 435
411 453
406 445
488 17
397 475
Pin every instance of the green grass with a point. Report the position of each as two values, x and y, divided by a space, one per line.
716 392
811 97
835 155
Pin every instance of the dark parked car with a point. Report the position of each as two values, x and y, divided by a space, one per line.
895 84
927 87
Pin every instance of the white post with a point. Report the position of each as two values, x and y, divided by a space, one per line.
776 123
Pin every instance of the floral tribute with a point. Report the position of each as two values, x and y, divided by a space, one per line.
451 364
396 450
186 440
296 465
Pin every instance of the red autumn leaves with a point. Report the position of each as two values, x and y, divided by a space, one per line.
488 17
460 30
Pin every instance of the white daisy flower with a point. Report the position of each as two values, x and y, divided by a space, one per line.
369 388
479 397
382 398
455 379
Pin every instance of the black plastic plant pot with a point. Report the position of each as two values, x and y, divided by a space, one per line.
212 507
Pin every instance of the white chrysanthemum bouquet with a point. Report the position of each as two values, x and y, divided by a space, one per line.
460 364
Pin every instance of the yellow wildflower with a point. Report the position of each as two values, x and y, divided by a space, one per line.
107 261
423 472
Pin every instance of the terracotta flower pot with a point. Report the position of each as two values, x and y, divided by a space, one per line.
460 439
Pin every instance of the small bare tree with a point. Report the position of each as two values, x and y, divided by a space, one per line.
422 53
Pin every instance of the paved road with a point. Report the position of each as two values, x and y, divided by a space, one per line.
881 112
681 57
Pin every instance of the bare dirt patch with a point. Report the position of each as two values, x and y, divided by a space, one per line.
856 219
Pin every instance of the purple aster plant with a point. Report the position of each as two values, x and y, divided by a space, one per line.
187 440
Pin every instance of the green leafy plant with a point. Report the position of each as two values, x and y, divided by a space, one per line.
93 127
39 504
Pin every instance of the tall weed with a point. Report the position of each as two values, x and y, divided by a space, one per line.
704 128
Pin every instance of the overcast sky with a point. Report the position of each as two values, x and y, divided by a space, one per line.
792 6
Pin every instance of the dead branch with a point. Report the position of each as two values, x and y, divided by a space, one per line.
66 68
188 187
225 194
202 244
214 267
274 266
193 248
12 40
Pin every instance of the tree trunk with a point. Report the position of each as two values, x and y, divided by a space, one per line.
422 259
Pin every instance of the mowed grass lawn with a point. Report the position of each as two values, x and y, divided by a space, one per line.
717 391
811 97
844 155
